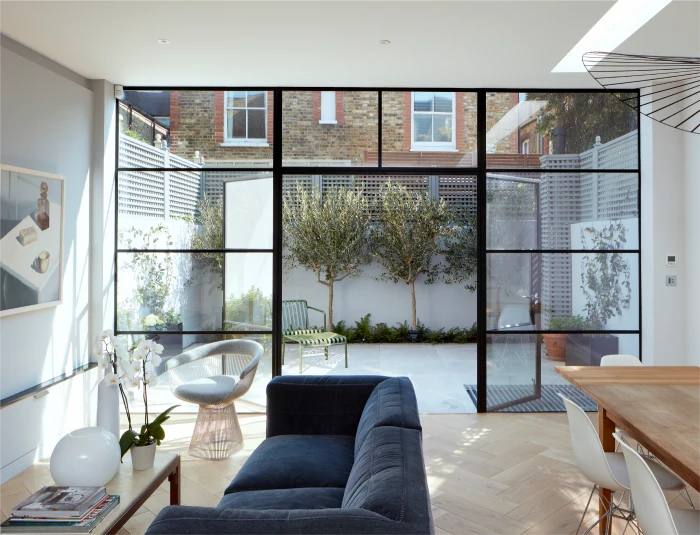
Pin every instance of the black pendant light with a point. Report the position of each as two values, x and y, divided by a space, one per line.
669 87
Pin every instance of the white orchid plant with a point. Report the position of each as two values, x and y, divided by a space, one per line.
133 371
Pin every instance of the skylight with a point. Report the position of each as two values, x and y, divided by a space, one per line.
623 19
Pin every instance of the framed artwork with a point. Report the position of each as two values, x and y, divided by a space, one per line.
31 239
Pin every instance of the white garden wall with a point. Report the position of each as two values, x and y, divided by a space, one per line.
629 319
438 305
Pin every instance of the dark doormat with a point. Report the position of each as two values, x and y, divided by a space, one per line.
549 402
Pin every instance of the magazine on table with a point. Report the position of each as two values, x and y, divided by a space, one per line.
60 502
82 525
61 519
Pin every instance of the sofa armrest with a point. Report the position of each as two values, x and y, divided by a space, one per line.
317 404
208 520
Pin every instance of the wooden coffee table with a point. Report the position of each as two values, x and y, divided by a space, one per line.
133 487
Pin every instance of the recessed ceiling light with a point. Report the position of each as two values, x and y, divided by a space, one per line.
384 42
163 41
623 19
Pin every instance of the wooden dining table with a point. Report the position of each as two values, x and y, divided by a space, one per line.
658 406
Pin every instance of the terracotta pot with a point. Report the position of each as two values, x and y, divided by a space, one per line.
556 346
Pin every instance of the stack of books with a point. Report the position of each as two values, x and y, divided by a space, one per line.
61 510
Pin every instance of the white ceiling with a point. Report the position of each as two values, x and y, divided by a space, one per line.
331 43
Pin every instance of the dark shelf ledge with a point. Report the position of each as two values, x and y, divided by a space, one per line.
45 385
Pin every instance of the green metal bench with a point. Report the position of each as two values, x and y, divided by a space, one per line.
295 328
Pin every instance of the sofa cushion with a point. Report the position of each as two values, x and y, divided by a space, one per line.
294 461
378 481
317 404
315 498
392 403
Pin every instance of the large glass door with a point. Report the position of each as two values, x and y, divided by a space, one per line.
561 248
513 371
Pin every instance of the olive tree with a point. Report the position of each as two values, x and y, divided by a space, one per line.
408 236
208 233
460 251
327 234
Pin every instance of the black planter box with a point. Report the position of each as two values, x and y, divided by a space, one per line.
174 339
587 349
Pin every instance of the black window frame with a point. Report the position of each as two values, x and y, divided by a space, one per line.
279 171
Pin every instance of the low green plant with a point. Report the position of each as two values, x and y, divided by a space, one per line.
576 323
133 134
170 318
381 333
570 323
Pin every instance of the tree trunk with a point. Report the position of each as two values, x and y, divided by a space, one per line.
329 327
413 304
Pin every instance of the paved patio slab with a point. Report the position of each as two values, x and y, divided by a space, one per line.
438 373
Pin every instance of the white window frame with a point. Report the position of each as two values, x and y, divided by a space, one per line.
239 141
328 102
525 147
437 146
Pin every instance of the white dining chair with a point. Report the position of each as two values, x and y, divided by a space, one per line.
623 360
620 360
607 469
653 514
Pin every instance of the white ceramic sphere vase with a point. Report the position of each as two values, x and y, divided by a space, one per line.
89 456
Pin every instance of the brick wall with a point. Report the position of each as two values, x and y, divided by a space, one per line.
197 124
303 138
497 106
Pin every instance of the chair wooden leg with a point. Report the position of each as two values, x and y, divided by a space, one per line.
325 352
346 355
300 353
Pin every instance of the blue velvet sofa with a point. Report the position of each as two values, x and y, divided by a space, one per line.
343 454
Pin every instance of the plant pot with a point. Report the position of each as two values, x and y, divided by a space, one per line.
413 334
556 346
172 339
142 457
588 349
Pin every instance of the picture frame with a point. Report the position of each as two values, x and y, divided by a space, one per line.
32 214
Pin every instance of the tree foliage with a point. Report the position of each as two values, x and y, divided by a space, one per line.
409 235
154 272
208 235
327 234
585 116
605 274
460 252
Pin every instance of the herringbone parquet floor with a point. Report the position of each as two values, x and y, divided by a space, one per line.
488 474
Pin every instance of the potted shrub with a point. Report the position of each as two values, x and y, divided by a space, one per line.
605 282
556 342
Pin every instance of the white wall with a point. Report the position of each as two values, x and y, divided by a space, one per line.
691 250
46 125
665 322
102 207
438 305
629 319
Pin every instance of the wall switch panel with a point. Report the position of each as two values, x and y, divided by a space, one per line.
670 280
